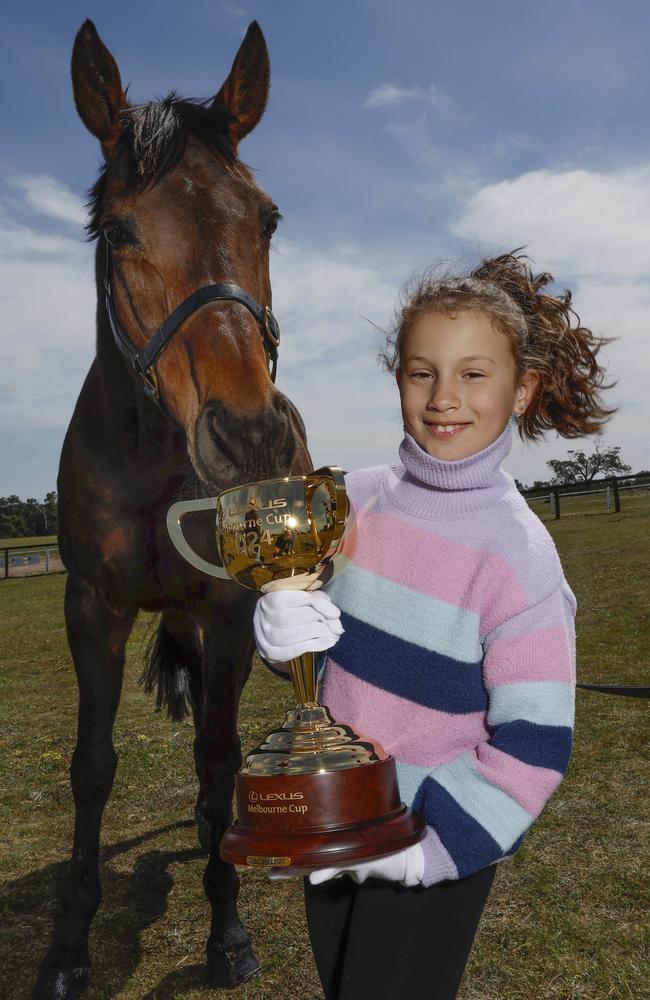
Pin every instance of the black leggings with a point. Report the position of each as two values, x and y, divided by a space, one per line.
380 941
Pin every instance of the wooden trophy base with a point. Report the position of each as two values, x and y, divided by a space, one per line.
330 797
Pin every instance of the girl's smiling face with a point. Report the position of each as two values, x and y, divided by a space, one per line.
458 383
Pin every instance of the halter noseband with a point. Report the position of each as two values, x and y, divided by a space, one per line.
144 360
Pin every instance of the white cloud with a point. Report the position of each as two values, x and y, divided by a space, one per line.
47 196
46 311
235 11
322 297
389 94
596 222
592 230
328 353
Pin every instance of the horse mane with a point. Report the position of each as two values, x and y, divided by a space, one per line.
153 140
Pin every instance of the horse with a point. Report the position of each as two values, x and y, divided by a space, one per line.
179 402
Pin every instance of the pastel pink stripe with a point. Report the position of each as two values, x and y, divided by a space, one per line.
444 569
540 656
530 786
412 733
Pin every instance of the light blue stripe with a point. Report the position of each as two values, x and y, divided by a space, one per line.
546 703
416 618
499 814
409 779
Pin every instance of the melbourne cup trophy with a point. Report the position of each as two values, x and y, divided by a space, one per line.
315 793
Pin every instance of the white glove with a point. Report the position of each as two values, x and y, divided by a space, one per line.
290 622
278 874
405 867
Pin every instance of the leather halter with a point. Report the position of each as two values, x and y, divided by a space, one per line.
144 360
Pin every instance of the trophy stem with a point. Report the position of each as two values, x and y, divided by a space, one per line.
305 681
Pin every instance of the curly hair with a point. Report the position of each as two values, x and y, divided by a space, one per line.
544 332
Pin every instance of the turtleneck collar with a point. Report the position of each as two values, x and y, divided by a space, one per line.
431 487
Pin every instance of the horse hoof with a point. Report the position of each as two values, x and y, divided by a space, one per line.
61 984
227 969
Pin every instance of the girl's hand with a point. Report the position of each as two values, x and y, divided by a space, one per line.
290 622
405 867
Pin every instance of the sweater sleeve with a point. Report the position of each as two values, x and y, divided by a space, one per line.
479 804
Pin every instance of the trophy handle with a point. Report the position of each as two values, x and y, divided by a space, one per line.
175 514
332 478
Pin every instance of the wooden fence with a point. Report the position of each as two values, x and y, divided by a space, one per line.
600 496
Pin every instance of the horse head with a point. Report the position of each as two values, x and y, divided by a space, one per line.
177 213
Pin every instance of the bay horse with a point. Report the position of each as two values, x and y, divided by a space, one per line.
179 402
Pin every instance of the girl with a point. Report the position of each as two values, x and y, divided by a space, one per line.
450 634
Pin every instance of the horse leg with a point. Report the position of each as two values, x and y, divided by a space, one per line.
97 635
227 659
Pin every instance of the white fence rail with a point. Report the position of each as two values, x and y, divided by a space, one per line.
30 560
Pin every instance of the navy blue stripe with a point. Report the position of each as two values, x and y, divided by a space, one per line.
542 746
407 670
468 843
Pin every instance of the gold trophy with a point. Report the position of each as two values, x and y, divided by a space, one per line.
315 793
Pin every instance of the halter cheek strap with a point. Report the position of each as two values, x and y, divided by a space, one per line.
144 360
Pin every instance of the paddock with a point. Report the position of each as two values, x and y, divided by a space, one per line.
567 917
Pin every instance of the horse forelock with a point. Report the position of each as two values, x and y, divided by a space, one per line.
153 140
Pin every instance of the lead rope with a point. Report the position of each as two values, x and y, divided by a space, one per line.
626 690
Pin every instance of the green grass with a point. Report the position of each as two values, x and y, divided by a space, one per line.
14 543
567 919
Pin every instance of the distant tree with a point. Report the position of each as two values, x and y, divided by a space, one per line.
539 485
520 486
49 508
22 518
583 468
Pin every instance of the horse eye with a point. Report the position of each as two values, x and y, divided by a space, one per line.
115 234
271 223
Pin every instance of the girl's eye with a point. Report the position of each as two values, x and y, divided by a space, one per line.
474 374
421 375
115 234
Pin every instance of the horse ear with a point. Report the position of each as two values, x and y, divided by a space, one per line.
244 94
97 87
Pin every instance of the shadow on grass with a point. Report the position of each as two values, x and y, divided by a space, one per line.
131 902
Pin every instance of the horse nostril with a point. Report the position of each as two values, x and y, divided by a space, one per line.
250 448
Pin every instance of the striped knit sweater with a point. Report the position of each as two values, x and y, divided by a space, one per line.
458 654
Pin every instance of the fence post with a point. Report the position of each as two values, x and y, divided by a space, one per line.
555 503
6 552
617 497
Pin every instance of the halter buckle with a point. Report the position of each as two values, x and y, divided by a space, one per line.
150 382
271 326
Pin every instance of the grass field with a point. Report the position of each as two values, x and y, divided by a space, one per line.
13 543
567 919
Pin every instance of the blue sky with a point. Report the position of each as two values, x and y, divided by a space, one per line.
396 134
